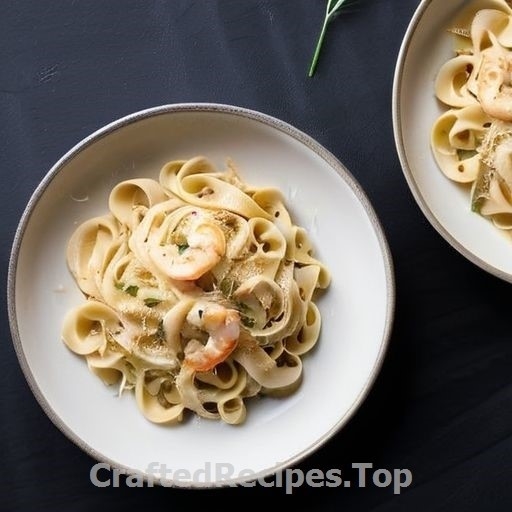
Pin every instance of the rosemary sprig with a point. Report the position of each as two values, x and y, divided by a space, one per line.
333 8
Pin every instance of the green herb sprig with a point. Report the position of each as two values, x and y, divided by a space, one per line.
151 302
132 290
333 8
182 248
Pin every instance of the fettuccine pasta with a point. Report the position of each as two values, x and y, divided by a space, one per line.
472 139
200 293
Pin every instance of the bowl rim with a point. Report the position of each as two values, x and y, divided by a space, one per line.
402 154
269 121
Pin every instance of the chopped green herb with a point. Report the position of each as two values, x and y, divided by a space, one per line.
151 302
464 154
132 290
119 285
182 248
248 321
243 308
227 287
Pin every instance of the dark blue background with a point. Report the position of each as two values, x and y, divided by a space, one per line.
442 405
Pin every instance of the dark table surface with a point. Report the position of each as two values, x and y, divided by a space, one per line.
442 404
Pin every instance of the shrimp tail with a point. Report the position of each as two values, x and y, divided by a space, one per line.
224 329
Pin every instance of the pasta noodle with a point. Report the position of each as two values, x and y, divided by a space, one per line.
472 139
199 293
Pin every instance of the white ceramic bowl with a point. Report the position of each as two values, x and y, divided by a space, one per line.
322 196
425 47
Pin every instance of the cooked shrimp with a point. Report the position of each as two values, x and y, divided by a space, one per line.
222 325
495 83
204 248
